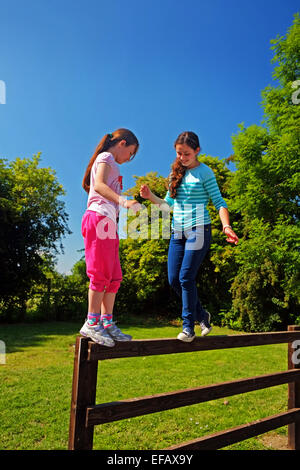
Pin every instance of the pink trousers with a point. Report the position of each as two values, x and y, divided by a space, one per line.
101 243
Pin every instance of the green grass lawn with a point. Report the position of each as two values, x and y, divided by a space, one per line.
36 383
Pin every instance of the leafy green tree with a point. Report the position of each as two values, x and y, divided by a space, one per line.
265 191
145 285
59 296
144 259
219 267
33 222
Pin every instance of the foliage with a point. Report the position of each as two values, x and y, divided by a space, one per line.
252 287
145 285
61 297
265 190
33 221
35 387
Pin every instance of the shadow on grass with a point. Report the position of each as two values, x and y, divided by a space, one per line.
21 335
25 335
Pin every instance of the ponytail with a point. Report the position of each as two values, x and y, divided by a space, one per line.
175 178
108 141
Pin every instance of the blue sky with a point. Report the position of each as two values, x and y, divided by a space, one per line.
77 69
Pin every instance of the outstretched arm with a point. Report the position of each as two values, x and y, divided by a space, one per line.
146 193
102 188
224 216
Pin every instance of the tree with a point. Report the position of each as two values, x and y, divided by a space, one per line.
144 260
265 190
145 285
33 222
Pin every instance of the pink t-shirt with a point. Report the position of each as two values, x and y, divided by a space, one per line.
98 203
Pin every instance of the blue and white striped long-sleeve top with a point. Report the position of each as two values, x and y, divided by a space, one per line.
197 187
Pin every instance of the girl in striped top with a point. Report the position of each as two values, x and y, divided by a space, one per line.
191 185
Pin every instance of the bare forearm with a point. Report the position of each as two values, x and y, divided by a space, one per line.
156 200
224 216
231 236
107 192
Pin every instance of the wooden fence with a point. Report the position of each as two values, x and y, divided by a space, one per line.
85 414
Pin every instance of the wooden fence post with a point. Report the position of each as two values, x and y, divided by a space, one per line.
294 390
85 414
83 395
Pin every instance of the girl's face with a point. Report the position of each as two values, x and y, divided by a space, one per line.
122 152
187 155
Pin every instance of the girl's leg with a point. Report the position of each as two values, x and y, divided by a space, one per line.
91 326
108 302
94 304
97 268
95 301
109 299
191 262
175 260
175 257
106 318
200 313
107 307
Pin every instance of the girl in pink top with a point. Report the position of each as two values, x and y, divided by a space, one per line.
103 183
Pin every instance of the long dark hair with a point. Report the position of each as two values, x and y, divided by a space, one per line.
108 141
178 170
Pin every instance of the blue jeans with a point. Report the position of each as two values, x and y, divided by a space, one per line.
187 251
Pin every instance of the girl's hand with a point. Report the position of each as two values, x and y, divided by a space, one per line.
231 236
133 205
145 191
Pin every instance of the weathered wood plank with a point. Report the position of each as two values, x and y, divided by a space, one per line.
83 395
240 433
114 411
174 346
294 391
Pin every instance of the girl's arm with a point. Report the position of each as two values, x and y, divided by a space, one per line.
224 216
213 190
102 188
146 193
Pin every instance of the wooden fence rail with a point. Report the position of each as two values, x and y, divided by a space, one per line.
85 414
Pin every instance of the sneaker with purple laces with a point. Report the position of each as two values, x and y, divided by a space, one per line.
117 334
97 334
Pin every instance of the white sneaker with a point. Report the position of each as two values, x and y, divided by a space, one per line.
186 336
97 334
205 325
117 334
